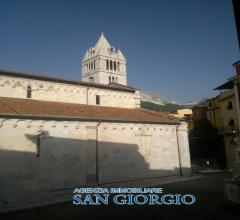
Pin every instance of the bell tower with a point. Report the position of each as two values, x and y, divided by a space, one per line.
103 64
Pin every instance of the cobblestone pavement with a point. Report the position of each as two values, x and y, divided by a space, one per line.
210 204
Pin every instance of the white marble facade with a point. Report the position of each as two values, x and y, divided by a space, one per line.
17 87
47 165
41 160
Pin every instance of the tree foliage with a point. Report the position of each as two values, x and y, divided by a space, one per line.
205 142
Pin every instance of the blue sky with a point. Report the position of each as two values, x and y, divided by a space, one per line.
181 49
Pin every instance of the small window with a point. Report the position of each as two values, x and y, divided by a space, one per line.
112 79
107 64
97 99
229 106
91 79
115 65
109 78
29 92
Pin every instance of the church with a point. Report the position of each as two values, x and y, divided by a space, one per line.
57 134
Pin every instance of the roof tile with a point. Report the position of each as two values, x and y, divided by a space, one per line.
29 107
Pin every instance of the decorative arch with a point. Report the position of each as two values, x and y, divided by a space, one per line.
91 79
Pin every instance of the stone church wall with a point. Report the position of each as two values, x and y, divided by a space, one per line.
50 158
51 91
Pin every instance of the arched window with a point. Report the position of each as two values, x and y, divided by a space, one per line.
111 65
115 66
107 64
94 64
91 79
109 78
91 65
112 79
29 92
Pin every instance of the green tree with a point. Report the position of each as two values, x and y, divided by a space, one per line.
206 143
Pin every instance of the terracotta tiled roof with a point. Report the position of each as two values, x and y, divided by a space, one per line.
14 107
11 73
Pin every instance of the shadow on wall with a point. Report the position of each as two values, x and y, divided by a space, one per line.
55 166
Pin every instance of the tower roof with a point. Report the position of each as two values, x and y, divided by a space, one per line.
102 42
120 55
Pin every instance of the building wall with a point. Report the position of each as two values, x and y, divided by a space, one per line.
227 115
51 91
185 115
214 112
67 157
220 116
199 113
218 112
100 74
230 149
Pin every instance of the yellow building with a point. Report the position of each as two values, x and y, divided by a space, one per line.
213 112
224 117
184 115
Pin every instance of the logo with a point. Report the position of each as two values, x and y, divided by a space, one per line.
129 196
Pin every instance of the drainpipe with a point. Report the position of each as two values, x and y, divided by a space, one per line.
97 162
179 156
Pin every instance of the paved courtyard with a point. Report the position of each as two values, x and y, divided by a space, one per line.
208 190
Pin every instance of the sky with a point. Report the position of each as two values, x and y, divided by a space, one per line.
180 49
